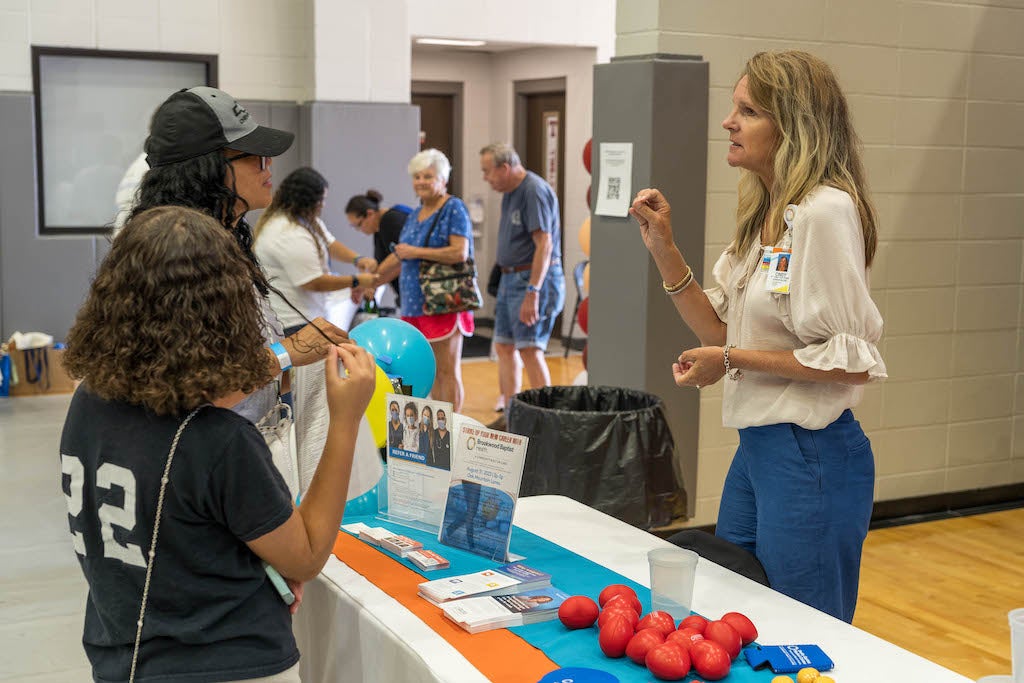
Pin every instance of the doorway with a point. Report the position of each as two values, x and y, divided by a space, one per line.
440 104
540 139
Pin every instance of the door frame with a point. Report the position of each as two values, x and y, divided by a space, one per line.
453 88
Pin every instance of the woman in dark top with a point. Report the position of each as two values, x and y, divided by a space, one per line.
442 442
396 430
366 214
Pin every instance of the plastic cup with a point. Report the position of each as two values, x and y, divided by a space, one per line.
672 573
1017 644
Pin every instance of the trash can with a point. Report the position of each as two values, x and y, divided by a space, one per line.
608 447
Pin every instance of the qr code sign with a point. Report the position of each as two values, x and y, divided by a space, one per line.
614 186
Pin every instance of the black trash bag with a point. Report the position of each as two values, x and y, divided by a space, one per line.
607 447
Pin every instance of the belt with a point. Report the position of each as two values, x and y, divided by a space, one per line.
525 266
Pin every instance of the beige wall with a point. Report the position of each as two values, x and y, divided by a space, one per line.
937 92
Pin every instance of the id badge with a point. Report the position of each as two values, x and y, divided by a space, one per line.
780 261
766 258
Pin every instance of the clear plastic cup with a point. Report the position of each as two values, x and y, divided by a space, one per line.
673 571
1017 644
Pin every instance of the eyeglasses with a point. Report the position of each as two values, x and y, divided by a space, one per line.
264 161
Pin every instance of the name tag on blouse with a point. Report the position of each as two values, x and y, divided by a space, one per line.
777 261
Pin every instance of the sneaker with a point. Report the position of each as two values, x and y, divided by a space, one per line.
499 406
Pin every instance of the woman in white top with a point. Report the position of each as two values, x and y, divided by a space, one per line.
293 244
795 342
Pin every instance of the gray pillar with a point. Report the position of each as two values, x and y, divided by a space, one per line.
660 104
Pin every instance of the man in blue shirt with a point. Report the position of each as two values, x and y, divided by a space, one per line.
532 289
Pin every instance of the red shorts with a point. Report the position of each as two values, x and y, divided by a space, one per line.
438 327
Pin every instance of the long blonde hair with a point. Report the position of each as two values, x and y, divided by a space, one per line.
816 145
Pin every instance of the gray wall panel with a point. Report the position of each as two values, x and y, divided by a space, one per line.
660 105
44 279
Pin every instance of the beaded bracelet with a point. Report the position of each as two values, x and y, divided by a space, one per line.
679 286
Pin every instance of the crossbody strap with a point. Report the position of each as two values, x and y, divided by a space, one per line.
437 219
152 546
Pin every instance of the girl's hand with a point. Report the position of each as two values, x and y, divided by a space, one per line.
348 396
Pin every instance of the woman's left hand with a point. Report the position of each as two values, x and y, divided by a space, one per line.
699 367
405 251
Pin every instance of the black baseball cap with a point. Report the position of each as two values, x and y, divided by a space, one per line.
194 121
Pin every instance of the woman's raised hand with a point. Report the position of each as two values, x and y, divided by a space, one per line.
652 211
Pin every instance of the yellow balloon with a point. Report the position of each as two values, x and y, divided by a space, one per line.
586 278
585 236
376 411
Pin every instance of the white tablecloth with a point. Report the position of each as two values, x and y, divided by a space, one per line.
349 630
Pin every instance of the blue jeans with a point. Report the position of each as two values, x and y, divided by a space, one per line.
508 329
800 500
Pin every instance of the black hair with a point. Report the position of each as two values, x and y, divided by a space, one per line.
199 183
298 197
361 203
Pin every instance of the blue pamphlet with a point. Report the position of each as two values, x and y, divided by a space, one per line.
786 659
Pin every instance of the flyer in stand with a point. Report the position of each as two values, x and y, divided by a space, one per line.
487 468
419 459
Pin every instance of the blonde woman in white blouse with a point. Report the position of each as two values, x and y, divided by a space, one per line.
790 323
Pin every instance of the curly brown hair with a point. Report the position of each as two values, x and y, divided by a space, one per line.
172 320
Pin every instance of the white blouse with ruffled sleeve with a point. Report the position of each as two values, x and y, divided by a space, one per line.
828 319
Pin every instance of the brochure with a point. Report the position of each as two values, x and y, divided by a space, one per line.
516 609
486 470
428 560
509 578
419 459
400 545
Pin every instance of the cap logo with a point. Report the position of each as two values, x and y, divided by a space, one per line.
240 113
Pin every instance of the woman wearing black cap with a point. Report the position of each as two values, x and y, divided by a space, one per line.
206 152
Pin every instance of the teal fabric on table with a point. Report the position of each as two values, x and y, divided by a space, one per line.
572 573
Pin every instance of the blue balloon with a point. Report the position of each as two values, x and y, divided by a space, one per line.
400 350
366 504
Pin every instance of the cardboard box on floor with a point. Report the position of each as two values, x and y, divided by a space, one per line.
40 371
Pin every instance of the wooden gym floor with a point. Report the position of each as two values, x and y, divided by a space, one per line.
939 589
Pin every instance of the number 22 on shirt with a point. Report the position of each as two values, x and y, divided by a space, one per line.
108 476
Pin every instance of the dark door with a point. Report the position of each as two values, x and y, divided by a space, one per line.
545 153
437 129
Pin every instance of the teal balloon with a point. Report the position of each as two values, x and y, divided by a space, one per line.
400 350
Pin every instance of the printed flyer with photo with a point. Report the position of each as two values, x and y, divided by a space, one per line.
419 459
486 471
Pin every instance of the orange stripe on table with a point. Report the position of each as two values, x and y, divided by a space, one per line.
491 651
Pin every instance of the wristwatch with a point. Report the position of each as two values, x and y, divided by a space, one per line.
532 288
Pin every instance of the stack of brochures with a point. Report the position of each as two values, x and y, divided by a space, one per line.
506 579
518 609
427 560
400 545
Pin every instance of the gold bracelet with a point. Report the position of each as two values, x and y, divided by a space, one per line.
679 286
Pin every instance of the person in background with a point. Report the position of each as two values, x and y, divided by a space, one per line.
206 152
426 446
442 442
411 435
367 214
168 339
531 293
294 247
124 199
396 431
794 353
439 230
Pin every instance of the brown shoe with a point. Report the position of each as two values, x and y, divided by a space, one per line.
500 424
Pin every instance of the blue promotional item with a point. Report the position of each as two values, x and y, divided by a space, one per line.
400 350
578 674
787 659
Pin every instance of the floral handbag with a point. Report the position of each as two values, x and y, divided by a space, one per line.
448 287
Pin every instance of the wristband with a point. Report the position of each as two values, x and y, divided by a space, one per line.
532 288
283 359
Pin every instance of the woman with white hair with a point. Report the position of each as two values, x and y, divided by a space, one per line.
440 231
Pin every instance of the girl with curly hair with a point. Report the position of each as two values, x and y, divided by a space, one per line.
173 499
293 244
790 323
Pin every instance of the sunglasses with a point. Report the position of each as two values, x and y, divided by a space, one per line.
264 161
